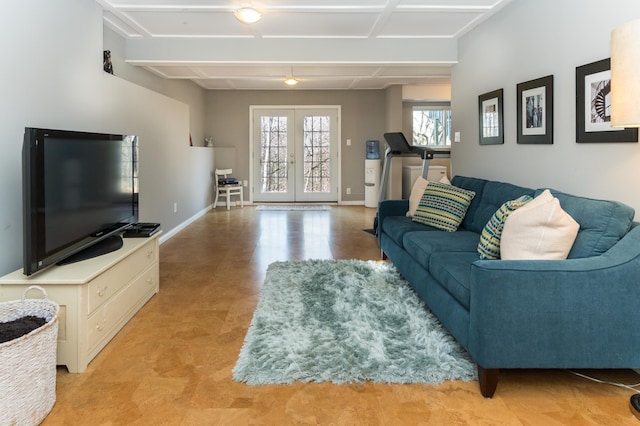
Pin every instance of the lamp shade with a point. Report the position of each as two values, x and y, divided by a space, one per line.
625 75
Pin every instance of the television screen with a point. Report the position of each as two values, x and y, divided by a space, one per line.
79 189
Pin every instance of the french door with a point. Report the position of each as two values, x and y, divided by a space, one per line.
295 154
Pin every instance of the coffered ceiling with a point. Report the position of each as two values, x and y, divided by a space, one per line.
325 44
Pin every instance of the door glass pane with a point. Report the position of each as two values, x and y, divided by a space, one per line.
317 138
273 154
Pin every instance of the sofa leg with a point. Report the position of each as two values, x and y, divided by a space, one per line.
488 378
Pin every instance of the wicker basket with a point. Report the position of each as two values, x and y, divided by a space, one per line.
28 363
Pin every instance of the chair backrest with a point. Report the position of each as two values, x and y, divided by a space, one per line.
223 172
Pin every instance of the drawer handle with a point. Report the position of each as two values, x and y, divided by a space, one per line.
100 325
150 280
150 254
102 291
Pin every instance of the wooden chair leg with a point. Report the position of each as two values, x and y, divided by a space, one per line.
488 378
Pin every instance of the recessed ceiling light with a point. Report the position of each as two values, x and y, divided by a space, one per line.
291 81
247 15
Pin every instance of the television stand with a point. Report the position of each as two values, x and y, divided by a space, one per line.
97 297
109 244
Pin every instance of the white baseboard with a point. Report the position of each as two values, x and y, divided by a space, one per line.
165 236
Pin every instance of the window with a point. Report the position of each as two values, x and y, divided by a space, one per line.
432 126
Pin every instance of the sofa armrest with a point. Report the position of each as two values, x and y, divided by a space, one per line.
388 208
393 208
577 313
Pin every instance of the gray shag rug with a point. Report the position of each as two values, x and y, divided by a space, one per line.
345 321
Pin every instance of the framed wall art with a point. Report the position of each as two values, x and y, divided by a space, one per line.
593 106
491 116
535 111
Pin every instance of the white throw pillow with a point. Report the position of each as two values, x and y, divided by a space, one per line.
538 230
417 190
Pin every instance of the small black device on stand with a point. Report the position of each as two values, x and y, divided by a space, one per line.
141 230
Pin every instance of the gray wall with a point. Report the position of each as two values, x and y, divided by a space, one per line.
525 41
52 77
183 90
363 118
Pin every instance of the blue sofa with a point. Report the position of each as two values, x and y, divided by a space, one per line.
582 312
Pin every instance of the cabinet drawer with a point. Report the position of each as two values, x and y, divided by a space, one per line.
110 282
117 311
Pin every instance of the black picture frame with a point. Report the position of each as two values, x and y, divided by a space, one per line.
535 111
491 118
593 104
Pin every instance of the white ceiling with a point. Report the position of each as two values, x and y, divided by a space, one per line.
325 44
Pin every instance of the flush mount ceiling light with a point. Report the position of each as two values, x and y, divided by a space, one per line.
247 15
291 81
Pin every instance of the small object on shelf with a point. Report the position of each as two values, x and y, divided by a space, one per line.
208 141
141 230
107 66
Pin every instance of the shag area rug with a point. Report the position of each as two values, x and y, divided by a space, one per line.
345 321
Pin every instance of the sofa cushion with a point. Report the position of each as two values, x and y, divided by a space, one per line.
397 226
417 190
602 223
494 195
443 206
539 230
477 186
489 246
421 245
453 272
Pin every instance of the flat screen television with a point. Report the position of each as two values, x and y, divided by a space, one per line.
80 190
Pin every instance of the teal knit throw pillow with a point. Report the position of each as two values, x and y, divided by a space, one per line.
489 245
443 206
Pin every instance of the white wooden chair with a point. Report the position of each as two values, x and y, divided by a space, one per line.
227 190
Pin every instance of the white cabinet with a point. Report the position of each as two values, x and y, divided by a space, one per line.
97 297
411 173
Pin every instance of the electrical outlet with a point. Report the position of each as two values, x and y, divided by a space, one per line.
175 207
245 183
348 142
348 191
456 137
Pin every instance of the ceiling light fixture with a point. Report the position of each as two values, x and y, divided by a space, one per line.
247 15
291 81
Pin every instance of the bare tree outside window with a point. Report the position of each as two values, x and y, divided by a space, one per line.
317 153
273 154
431 127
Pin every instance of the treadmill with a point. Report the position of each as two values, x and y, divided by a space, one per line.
398 146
